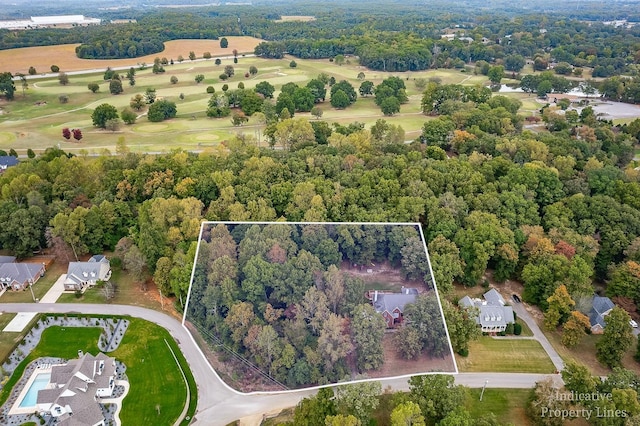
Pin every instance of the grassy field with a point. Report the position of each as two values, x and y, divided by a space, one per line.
64 55
505 356
36 118
151 369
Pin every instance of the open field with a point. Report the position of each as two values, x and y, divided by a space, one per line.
504 355
508 405
296 18
36 117
64 55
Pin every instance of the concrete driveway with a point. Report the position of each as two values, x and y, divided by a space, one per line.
55 291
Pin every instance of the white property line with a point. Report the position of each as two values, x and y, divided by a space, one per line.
378 379
186 383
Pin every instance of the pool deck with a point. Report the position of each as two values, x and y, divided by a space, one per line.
15 408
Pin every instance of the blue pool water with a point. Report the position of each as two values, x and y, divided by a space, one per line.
40 382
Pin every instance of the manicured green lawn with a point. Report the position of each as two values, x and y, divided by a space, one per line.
508 405
505 356
151 369
60 342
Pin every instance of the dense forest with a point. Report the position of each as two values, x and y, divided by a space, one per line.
286 297
391 38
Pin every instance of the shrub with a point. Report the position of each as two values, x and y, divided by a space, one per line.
517 329
211 89
293 64
223 76
463 352
509 329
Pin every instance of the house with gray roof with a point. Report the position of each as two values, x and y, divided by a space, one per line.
600 308
19 276
391 305
74 389
81 275
7 259
492 313
7 161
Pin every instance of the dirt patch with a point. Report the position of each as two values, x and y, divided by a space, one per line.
395 365
19 60
384 274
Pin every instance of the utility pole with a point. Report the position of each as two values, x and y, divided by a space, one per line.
483 388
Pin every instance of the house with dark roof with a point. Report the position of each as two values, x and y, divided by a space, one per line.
81 275
72 395
7 161
391 305
600 308
492 313
19 276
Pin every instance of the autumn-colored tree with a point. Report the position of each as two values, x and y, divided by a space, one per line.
66 133
560 306
575 329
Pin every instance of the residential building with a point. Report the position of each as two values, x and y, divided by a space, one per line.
600 308
74 389
19 276
81 275
391 305
7 161
493 314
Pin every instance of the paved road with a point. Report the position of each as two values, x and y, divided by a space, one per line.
539 335
217 403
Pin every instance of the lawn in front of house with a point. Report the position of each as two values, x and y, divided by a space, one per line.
505 356
39 289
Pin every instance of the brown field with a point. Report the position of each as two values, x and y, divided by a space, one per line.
63 55
296 18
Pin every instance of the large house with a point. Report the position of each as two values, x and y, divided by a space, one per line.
81 275
19 276
493 314
391 305
74 389
600 308
7 161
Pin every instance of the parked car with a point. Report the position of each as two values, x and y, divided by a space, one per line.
633 324
515 298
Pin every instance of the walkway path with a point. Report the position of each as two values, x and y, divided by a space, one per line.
539 335
55 291
217 402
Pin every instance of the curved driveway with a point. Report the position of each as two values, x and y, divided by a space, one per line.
218 404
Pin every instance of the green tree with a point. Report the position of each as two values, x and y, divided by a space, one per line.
462 326
224 43
390 106
333 344
199 78
150 95
128 116
265 88
616 339
173 79
366 88
137 102
253 70
7 88
115 87
294 133
63 78
407 414
436 395
94 87
293 64
368 329
446 262
161 110
358 399
192 55
229 71
316 112
340 100
218 106
314 410
496 74
102 114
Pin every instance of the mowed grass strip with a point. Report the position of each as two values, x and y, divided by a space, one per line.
506 356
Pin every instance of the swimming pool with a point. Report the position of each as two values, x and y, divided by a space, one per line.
31 397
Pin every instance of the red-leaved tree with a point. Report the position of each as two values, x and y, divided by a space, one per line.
66 133
77 134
